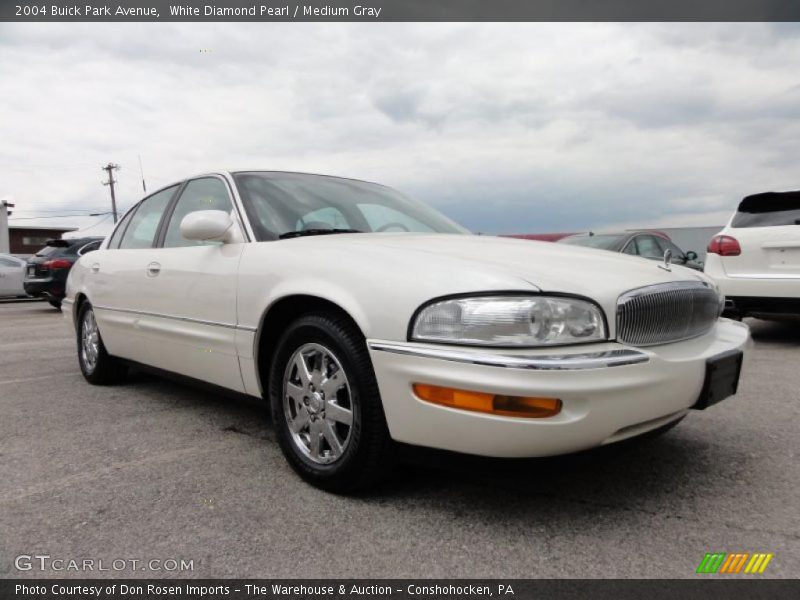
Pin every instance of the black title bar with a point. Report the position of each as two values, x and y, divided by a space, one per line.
397 589
400 10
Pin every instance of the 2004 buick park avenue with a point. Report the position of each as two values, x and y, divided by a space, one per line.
365 318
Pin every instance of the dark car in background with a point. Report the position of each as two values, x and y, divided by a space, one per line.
46 272
646 243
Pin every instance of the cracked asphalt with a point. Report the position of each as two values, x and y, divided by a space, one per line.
158 469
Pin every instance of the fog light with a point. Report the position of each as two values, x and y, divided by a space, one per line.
496 404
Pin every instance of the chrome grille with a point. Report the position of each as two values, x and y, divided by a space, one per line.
666 312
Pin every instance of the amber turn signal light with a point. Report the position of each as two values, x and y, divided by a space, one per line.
495 404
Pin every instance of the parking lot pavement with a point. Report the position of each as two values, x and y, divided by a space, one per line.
157 469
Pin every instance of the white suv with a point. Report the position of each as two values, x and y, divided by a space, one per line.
755 260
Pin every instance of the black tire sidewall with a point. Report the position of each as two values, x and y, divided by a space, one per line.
351 352
108 369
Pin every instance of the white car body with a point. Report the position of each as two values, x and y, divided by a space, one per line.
205 312
12 274
761 275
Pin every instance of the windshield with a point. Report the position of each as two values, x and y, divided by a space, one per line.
605 242
768 210
47 251
278 204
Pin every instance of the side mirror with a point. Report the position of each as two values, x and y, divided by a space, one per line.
691 255
207 226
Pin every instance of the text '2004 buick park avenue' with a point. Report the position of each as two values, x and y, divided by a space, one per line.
366 318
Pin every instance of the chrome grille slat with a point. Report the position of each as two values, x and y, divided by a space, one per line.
666 312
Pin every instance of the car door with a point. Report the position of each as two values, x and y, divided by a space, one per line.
118 277
190 308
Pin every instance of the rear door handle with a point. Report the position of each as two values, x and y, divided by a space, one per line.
153 269
95 268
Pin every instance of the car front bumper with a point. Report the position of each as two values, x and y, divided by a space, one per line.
609 391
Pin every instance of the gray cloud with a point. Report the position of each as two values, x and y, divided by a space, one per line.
506 127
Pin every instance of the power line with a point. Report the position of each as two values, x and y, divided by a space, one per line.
73 216
59 210
100 221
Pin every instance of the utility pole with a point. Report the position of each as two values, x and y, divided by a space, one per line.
5 212
110 168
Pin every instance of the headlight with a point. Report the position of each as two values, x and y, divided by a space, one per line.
509 321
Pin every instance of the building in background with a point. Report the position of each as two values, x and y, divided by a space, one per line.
24 241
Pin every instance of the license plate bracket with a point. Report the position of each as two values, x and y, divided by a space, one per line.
722 378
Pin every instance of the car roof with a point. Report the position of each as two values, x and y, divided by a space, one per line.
232 172
769 201
627 233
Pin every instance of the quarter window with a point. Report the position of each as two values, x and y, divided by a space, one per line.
208 193
117 235
142 228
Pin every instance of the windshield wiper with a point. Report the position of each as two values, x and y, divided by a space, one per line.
304 232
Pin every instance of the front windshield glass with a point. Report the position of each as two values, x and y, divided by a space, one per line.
604 242
278 204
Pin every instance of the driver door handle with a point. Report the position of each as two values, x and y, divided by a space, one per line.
95 268
153 269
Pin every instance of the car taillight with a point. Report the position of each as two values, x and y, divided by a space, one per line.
724 245
57 263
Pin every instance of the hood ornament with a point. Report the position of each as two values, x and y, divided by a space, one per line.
667 266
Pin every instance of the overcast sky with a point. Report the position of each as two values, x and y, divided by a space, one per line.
504 127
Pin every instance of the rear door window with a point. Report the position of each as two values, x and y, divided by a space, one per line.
768 210
141 231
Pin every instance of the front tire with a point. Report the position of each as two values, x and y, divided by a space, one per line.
326 407
97 365
54 303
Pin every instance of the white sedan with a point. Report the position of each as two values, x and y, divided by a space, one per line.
12 274
365 318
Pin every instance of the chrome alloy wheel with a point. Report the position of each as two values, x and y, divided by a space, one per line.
317 404
90 341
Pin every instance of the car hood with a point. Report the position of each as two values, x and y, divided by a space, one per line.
547 266
381 279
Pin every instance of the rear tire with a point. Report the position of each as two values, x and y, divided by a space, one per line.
97 365
54 303
326 407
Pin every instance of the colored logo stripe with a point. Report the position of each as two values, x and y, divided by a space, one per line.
711 562
758 563
734 562
721 562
